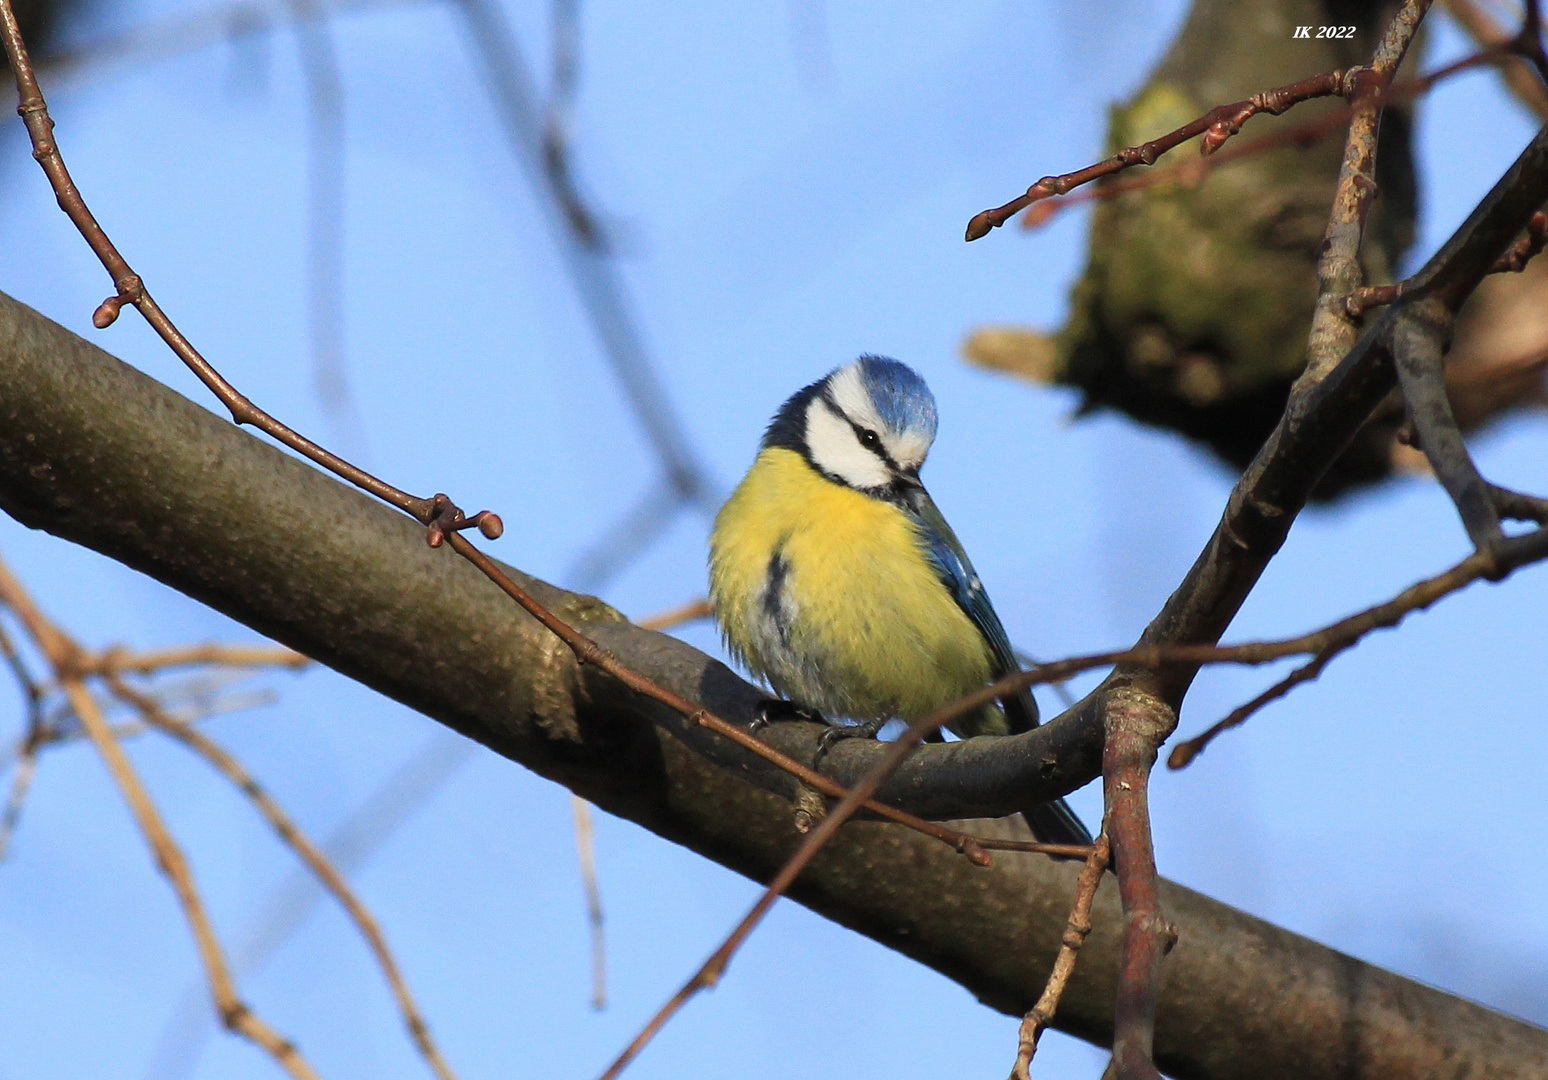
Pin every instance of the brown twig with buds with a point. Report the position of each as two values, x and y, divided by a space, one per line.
1216 126
1041 1015
445 522
1515 260
1037 211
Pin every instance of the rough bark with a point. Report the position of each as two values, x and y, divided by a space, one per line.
98 453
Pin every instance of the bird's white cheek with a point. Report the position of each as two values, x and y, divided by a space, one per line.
836 451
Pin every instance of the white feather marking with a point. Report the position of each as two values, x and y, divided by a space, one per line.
852 398
836 450
908 448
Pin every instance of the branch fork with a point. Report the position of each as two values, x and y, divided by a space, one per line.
1419 337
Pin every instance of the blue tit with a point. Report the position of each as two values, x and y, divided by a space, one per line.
838 582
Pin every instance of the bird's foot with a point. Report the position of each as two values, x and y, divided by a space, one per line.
775 710
839 732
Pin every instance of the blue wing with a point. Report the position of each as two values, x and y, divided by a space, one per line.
957 574
1051 822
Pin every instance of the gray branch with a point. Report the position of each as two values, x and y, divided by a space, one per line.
99 454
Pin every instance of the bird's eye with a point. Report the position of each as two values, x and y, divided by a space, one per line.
870 440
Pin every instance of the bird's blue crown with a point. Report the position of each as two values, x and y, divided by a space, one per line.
900 395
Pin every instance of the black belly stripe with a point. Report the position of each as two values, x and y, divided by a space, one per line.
774 589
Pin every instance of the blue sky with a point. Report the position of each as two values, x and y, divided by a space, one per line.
781 210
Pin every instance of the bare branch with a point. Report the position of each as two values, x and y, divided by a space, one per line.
1513 261
1038 1019
675 617
1517 71
21 784
709 974
63 655
586 850
135 662
1492 564
1301 133
1339 271
124 456
26 758
1137 725
1216 126
286 829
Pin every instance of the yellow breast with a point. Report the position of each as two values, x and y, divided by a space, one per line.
855 620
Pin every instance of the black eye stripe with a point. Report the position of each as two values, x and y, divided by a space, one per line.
873 443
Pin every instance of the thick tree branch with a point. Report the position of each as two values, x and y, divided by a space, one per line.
95 452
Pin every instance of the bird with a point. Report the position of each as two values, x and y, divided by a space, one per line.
837 581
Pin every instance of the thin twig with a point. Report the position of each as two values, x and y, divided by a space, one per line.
131 290
602 292
1075 931
586 852
1216 126
1339 271
1301 133
538 136
692 611
445 520
1512 261
63 655
325 182
1525 249
1515 70
27 747
709 974
144 662
21 784
293 837
32 690
348 846
1493 565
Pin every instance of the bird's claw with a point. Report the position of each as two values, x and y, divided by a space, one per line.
775 710
839 732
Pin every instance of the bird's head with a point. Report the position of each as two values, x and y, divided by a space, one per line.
868 425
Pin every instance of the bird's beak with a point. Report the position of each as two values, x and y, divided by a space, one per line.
907 482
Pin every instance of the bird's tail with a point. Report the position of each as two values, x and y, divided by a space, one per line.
1055 823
